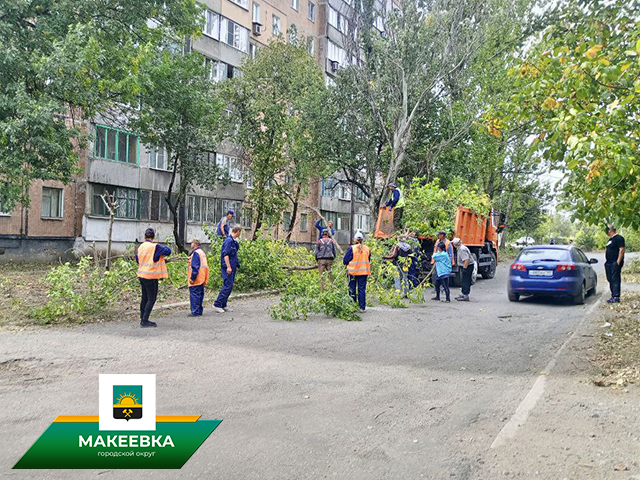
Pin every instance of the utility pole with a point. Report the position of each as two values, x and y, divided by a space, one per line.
353 211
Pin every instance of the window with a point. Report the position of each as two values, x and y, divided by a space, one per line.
4 213
153 206
158 158
117 145
222 206
242 3
286 220
253 50
293 34
304 222
211 26
337 20
378 23
360 195
230 166
344 192
217 71
249 179
311 15
341 221
361 222
247 217
329 82
335 53
51 202
330 187
276 25
127 199
295 4
234 35
311 46
255 13
201 210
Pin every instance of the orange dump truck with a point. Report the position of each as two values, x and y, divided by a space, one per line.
478 232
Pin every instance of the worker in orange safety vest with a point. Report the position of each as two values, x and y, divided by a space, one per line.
358 262
151 268
197 276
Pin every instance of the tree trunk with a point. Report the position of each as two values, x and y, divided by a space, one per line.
258 226
109 235
503 239
294 213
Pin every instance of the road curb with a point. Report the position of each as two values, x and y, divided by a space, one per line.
239 296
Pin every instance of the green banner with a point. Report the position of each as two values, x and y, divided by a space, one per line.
82 445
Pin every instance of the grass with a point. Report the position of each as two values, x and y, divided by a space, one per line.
631 272
23 287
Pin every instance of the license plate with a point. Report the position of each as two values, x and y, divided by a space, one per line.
541 273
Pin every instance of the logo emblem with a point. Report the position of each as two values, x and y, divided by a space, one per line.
127 402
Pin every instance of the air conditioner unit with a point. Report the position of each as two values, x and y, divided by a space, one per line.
257 29
334 65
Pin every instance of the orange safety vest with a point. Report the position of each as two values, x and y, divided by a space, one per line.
147 268
446 250
360 265
203 273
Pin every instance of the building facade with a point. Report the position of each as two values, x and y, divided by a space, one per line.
61 217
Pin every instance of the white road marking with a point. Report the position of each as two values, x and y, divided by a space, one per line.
527 405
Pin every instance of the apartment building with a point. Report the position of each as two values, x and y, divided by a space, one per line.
64 216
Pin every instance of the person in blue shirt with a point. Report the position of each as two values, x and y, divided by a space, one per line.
222 230
396 203
229 265
443 271
329 228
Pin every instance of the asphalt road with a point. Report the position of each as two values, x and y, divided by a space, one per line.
406 393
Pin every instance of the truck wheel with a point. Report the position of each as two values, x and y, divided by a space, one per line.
456 278
474 275
490 271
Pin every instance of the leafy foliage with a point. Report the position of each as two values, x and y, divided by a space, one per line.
430 208
63 57
578 91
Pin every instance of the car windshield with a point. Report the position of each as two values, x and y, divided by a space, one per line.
545 255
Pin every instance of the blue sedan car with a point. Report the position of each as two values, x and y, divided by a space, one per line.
559 270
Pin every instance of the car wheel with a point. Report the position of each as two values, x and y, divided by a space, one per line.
513 297
594 289
578 299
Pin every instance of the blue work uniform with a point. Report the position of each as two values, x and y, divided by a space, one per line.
222 229
395 198
230 248
321 227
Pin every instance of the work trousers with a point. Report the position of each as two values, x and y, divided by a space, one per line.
444 282
401 281
149 295
196 298
359 283
467 273
397 218
227 287
324 269
613 270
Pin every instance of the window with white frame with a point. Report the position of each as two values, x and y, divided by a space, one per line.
234 35
337 20
336 53
127 199
360 195
253 49
153 206
276 25
255 13
295 4
4 213
211 26
378 23
293 34
217 71
311 46
52 199
158 158
241 3
248 179
230 166
223 206
311 14
344 192
201 210
361 222
304 222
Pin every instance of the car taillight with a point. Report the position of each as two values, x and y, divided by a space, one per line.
565 266
518 266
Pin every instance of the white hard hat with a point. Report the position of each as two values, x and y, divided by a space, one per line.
358 236
456 241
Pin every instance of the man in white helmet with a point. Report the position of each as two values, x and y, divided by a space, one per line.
466 262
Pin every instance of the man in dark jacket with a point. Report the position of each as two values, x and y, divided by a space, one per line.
325 254
614 261
229 265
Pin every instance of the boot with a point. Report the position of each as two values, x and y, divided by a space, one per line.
147 324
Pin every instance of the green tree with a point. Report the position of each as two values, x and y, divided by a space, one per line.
179 109
578 94
63 61
277 103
